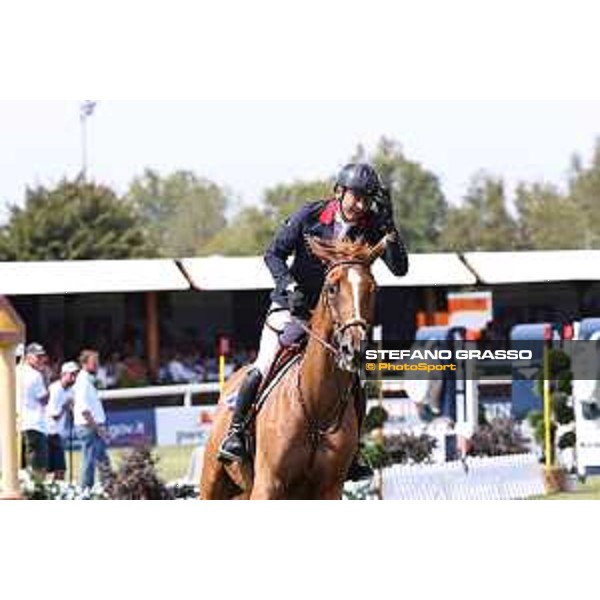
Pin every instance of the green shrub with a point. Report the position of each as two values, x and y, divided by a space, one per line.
375 418
409 448
403 448
500 437
136 478
374 453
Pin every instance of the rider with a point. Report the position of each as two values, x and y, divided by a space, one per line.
360 207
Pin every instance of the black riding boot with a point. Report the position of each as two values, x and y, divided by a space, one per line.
233 447
359 469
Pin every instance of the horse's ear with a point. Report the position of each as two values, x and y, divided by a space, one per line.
320 249
378 249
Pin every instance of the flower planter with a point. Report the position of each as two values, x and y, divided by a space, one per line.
555 480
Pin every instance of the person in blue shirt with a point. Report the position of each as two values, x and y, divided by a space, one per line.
360 207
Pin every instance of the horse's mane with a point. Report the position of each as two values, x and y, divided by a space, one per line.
333 251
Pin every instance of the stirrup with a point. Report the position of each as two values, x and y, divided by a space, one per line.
228 457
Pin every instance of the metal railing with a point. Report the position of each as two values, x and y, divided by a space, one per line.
187 390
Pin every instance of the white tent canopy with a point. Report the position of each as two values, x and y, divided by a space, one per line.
251 273
90 276
427 270
541 266
228 273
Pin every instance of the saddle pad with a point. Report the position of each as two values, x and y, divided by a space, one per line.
231 399
282 371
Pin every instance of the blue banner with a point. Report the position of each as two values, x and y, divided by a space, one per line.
131 427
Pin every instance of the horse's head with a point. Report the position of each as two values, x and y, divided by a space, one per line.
348 293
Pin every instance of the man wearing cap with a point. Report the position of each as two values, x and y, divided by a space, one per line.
89 418
59 404
32 395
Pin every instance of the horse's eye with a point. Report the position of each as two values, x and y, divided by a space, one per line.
332 289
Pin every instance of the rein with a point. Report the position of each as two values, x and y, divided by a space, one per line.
316 430
335 351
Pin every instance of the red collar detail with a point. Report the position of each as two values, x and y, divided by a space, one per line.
331 209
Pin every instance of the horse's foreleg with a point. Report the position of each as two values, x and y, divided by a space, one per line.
267 489
332 493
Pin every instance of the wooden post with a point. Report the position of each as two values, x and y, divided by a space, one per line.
152 335
430 305
12 332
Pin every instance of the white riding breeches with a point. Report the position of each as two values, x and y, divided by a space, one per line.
277 318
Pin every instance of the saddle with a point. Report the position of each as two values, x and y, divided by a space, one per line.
285 358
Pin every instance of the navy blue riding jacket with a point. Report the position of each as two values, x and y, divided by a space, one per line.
307 271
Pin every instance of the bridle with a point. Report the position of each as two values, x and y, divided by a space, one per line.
338 328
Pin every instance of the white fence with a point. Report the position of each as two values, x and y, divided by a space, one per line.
490 478
487 478
186 390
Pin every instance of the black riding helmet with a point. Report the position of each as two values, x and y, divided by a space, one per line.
360 178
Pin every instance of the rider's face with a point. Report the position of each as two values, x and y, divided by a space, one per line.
354 206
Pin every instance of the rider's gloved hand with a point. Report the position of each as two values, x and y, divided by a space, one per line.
384 214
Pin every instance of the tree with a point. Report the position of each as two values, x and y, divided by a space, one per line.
584 190
482 222
543 217
75 220
419 204
252 229
249 233
181 211
284 199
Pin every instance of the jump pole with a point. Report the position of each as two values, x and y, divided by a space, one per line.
221 372
547 409
378 337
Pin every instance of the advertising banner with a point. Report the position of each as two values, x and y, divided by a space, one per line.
131 428
183 426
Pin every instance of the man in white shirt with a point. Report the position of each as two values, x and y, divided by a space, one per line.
59 405
32 397
89 418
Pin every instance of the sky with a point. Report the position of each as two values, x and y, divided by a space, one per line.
251 145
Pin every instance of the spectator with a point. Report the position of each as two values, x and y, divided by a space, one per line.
108 374
32 395
135 372
179 372
212 369
90 419
59 404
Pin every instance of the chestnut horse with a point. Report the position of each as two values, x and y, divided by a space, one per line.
307 430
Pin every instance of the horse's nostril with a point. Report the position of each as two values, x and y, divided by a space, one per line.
347 350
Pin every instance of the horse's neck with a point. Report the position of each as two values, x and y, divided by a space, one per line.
322 380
